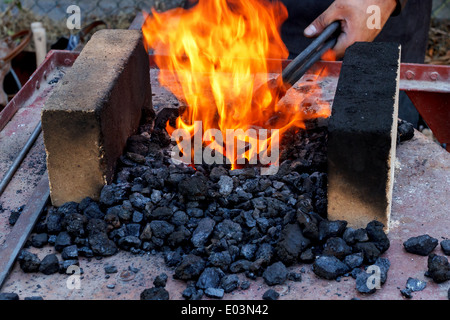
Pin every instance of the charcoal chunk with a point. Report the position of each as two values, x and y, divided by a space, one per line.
225 185
39 240
160 213
309 221
328 229
248 251
229 230
93 211
96 226
70 253
445 246
179 218
271 295
74 224
190 267
161 229
29 262
85 252
295 276
215 293
194 188
202 232
354 260
275 274
336 247
407 293
217 172
369 250
221 260
54 219
405 130
101 245
180 236
68 208
210 278
291 244
240 266
230 283
369 281
307 256
155 294
415 284
129 242
376 235
9 296
352 236
438 268
49 265
133 229
62 240
110 269
111 195
161 280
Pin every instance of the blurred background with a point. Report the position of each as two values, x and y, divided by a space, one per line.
17 15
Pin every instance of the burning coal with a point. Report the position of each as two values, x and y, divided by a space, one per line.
222 55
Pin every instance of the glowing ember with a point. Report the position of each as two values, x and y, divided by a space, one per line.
221 52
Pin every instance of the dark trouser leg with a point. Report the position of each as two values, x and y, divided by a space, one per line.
410 29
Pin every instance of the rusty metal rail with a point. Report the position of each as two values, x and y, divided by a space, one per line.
23 228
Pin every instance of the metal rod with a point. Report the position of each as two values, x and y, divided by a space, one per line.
311 61
23 153
311 49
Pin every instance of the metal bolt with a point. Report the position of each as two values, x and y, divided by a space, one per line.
410 74
434 76
38 85
67 62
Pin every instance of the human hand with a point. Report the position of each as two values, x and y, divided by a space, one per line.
354 21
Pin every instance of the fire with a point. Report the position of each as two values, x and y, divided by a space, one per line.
218 57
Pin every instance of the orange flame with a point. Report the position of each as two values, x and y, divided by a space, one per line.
215 56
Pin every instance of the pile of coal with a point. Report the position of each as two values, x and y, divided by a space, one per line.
211 222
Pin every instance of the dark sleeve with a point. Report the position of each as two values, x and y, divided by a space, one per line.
400 5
